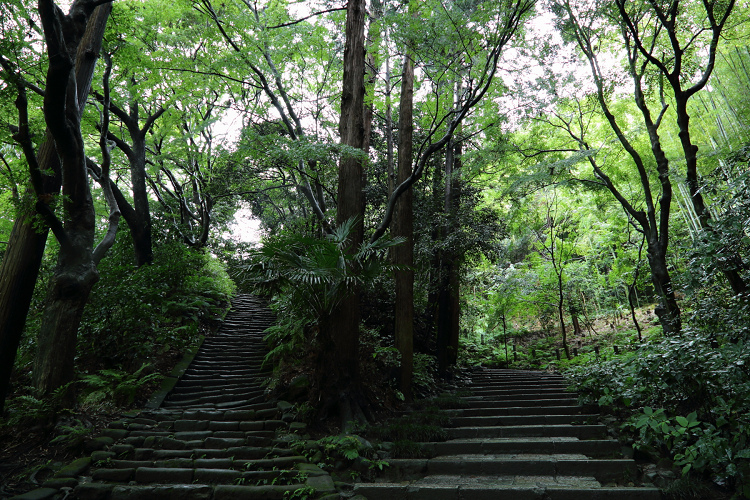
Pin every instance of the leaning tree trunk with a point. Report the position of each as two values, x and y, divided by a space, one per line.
75 273
23 257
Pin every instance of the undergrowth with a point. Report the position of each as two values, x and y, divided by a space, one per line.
686 398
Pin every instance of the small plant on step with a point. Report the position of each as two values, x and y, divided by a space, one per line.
72 436
303 493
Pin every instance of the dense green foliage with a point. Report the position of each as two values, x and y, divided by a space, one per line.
686 398
563 216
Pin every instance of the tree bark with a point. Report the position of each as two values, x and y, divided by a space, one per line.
343 327
76 272
403 225
23 257
449 308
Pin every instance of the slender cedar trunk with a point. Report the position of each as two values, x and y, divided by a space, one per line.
18 276
342 380
389 127
403 225
561 309
448 296
23 257
433 297
137 215
75 273
454 281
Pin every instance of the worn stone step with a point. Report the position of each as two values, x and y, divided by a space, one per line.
581 431
530 401
219 402
534 491
603 470
215 395
539 391
599 448
202 383
493 420
516 410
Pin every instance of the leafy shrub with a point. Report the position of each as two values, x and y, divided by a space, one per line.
308 277
136 312
115 386
701 392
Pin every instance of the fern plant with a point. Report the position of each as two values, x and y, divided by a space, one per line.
317 272
310 277
117 386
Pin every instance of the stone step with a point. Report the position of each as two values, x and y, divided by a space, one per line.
516 410
555 465
530 401
511 489
518 420
210 395
595 448
521 392
184 491
580 431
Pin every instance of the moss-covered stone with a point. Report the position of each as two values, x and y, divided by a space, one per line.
98 443
75 468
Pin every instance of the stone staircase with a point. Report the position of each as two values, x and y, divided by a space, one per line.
215 436
519 436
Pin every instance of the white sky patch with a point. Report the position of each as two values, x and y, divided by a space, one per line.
245 228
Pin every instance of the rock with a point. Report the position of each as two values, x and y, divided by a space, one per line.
386 446
122 449
37 494
230 492
114 475
311 470
93 491
321 484
163 492
299 387
98 443
61 482
115 433
285 406
190 425
74 468
101 456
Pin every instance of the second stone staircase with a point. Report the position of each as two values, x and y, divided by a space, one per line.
518 436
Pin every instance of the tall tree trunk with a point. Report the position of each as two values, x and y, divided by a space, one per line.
561 308
23 257
403 225
343 380
448 295
454 282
